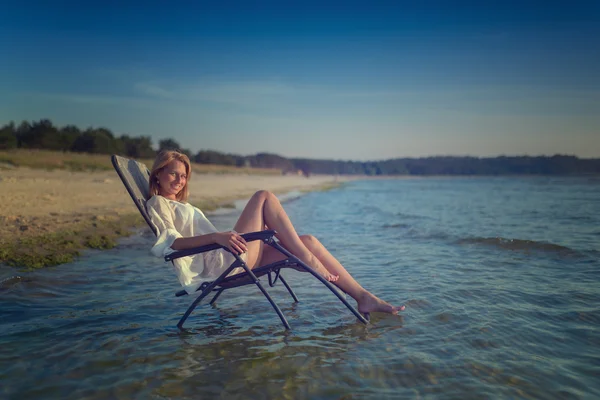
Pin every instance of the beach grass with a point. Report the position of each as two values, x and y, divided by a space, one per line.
63 246
51 160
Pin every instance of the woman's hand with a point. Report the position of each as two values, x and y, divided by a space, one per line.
232 240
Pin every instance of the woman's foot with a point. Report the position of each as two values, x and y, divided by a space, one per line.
369 303
316 265
326 274
320 269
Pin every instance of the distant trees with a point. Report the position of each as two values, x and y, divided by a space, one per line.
97 140
214 157
43 134
40 135
168 144
268 160
8 137
171 144
138 147
67 136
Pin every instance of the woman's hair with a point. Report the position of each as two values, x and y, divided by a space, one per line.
164 158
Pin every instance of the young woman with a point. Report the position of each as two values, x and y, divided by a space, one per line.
183 226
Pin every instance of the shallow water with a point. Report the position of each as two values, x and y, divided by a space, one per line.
499 275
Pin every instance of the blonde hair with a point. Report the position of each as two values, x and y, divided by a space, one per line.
163 159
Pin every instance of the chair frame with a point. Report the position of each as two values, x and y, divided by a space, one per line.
224 282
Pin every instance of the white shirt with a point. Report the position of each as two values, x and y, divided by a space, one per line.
174 220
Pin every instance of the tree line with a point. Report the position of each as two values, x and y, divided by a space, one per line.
44 135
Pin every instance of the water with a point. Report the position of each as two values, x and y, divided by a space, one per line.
499 276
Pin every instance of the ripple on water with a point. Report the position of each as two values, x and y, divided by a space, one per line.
486 318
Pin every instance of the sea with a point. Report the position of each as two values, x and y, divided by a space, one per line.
500 277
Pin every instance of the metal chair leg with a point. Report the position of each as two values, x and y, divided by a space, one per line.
192 306
262 289
275 306
216 296
289 289
205 293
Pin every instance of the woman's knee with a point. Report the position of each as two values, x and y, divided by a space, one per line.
309 241
263 195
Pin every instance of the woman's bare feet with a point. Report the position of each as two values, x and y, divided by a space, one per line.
320 269
368 303
325 274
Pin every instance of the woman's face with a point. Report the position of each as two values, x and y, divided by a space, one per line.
172 179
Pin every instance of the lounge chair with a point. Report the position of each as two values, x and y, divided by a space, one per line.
135 177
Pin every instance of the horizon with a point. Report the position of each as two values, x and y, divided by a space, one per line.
155 148
358 83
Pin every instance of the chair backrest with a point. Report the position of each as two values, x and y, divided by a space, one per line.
136 178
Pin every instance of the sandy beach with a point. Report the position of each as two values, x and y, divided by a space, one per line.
38 203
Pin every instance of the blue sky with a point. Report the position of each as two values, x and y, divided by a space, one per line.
351 80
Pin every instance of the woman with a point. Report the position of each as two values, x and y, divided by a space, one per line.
182 226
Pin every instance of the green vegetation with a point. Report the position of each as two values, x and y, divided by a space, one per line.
44 135
50 160
44 159
71 148
64 246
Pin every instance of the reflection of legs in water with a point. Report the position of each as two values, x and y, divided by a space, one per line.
264 209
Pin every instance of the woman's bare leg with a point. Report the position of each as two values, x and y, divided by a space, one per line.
367 302
265 210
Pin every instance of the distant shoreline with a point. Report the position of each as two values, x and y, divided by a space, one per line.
272 164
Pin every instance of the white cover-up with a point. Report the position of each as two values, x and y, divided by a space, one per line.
174 220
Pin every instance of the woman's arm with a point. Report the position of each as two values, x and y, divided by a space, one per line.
232 240
162 215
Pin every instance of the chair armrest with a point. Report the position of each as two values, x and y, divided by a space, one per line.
260 235
249 237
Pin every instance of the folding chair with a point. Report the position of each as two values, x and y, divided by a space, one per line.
135 177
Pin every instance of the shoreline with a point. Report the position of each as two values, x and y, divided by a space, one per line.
49 217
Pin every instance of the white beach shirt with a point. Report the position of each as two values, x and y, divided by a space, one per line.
174 220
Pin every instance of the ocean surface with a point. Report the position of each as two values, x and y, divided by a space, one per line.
500 278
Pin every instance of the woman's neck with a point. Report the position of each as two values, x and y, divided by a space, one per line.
168 197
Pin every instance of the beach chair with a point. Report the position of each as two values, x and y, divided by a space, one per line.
135 177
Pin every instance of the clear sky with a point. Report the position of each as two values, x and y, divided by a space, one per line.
349 80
